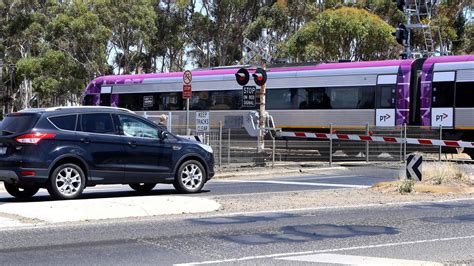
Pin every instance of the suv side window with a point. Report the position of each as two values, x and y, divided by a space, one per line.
97 123
64 122
134 127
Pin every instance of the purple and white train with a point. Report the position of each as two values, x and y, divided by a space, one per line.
432 92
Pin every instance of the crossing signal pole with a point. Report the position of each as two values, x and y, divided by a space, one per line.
260 78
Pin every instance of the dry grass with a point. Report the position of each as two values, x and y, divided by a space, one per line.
438 177
442 173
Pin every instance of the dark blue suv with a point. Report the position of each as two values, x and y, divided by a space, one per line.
65 149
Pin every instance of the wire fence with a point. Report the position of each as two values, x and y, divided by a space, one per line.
234 145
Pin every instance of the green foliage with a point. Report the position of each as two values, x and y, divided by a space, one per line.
468 44
345 33
53 48
406 186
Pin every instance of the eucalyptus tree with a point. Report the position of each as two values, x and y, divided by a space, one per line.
133 24
22 29
344 33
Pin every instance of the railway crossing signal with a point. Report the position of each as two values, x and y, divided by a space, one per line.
401 34
242 76
414 167
260 76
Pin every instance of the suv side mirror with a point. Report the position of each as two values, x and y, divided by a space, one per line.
162 135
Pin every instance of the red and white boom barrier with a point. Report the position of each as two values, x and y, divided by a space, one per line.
433 142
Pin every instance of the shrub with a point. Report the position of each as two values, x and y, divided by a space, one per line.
406 186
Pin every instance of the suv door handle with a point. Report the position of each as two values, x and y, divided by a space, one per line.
132 143
85 140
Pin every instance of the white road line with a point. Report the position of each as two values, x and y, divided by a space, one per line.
330 250
302 177
258 193
297 183
357 260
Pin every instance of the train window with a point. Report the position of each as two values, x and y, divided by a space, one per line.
200 101
88 100
352 98
281 99
225 100
385 96
465 94
443 94
131 101
171 101
312 98
105 99
366 98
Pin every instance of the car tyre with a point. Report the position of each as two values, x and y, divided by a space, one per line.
21 192
190 177
66 182
142 187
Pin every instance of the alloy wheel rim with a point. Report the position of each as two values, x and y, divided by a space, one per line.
68 181
191 176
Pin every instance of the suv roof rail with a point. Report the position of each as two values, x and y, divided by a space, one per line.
50 109
87 107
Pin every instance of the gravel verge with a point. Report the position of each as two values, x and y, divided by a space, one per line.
326 198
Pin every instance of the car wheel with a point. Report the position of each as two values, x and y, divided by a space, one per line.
190 177
66 182
142 187
21 192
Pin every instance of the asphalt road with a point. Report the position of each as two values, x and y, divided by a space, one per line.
440 232
410 233
355 178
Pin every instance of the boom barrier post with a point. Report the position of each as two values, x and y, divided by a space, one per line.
401 144
220 143
367 132
440 138
330 144
404 141
228 146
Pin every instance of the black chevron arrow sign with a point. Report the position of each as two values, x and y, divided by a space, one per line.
414 167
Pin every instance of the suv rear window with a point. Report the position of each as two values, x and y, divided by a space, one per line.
64 122
97 123
18 123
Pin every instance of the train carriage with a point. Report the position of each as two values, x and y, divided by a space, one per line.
345 94
431 92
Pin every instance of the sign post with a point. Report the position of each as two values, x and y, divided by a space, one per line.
187 94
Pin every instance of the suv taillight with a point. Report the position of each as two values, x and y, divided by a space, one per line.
34 138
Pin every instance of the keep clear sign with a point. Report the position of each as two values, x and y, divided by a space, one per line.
202 121
249 96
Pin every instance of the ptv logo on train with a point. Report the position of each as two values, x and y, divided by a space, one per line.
441 117
384 117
